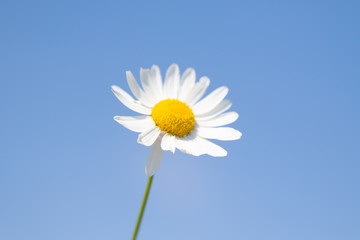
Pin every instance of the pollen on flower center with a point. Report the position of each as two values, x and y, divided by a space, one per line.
173 117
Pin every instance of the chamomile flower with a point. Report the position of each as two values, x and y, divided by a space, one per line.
173 116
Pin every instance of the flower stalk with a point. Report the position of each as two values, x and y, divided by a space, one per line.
142 207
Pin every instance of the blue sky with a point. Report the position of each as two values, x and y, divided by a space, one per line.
69 171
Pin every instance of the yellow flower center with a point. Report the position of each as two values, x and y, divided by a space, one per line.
173 117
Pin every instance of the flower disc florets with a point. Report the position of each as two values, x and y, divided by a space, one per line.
173 117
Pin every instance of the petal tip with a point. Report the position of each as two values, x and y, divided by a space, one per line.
236 115
223 153
174 65
205 79
239 135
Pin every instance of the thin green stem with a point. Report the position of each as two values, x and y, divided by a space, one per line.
142 207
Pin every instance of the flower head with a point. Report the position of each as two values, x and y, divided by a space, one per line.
173 117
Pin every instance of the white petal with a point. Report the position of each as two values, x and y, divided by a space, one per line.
211 148
157 82
145 78
136 123
221 133
134 86
220 108
197 146
172 81
129 102
220 120
198 91
168 143
154 159
148 137
189 146
210 101
136 90
187 83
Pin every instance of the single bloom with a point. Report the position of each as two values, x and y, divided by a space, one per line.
173 116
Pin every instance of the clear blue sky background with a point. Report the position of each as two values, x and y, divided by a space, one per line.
68 171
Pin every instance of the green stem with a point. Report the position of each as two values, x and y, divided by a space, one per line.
142 207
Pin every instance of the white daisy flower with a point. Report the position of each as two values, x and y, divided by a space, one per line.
173 117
